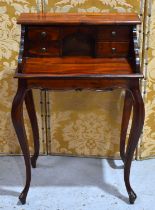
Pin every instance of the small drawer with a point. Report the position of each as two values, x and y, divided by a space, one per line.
51 49
114 33
43 33
112 49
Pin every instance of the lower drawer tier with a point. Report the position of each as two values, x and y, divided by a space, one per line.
112 49
47 49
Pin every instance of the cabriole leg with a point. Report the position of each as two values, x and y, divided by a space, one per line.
136 129
34 124
18 122
125 122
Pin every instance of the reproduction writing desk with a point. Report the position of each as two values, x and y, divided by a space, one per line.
79 51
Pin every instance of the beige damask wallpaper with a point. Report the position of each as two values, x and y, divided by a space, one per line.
9 46
77 123
148 138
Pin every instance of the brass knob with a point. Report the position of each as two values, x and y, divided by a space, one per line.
43 34
113 49
43 49
113 33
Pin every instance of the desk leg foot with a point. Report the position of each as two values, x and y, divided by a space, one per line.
125 122
34 124
136 129
132 197
22 198
18 122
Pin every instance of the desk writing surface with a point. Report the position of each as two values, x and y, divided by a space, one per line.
82 66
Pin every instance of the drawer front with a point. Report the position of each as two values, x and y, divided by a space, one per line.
43 41
112 49
43 33
51 49
114 33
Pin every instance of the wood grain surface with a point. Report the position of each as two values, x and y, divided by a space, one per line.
80 18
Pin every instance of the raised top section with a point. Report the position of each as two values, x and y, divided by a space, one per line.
78 18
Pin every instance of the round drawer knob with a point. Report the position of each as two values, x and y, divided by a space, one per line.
43 34
113 33
113 50
43 49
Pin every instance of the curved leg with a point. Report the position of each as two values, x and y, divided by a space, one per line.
136 129
33 119
18 122
125 122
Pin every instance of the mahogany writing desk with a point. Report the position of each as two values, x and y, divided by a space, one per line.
79 51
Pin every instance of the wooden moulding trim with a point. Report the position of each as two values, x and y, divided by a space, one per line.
80 18
100 76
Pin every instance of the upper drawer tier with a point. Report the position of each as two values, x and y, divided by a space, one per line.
58 41
114 33
50 33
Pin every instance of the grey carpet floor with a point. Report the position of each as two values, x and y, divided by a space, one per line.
69 183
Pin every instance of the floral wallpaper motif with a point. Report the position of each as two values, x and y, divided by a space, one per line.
83 123
9 47
79 123
148 140
92 6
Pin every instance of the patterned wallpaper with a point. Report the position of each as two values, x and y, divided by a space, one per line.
148 139
78 123
9 47
92 6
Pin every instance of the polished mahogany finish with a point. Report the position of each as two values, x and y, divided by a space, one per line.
80 18
76 52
